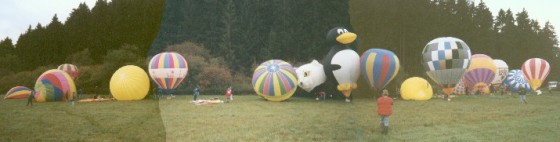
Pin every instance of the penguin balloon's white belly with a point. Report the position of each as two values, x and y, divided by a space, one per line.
349 62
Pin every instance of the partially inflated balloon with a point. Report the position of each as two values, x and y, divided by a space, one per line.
502 70
535 71
72 70
275 80
515 80
18 92
54 85
445 60
416 88
379 67
129 83
480 73
460 88
168 69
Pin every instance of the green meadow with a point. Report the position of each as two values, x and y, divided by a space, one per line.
251 118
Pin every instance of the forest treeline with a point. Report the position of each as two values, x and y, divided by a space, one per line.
244 33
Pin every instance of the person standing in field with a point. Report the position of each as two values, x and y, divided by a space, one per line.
30 98
384 110
196 93
321 95
522 95
229 95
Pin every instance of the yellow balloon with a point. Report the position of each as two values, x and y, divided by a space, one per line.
482 61
129 83
416 88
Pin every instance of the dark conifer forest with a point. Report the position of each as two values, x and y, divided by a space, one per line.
247 32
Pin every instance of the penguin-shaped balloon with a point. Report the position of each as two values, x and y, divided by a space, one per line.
342 64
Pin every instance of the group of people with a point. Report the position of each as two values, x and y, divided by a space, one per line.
229 94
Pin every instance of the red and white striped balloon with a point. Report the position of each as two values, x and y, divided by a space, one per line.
535 71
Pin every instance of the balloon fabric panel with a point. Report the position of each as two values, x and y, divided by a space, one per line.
480 75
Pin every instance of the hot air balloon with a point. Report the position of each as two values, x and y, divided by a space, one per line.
129 83
342 64
379 67
18 92
72 70
416 88
275 80
515 79
535 70
348 74
480 73
460 88
502 70
54 85
445 60
168 70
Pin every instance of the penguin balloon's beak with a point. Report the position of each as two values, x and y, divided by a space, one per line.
346 38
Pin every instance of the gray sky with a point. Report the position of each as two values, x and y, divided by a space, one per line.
541 10
17 15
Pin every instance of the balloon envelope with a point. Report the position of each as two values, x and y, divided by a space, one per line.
515 79
480 73
379 67
445 60
502 70
416 88
72 70
348 74
54 85
168 69
460 88
129 83
535 70
18 92
275 80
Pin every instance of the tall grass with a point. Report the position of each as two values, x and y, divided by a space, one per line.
250 118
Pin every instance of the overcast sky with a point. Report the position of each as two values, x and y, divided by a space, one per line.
17 15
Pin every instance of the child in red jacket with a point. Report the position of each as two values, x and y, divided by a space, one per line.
229 95
384 109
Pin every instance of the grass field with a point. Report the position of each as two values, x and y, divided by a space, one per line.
250 118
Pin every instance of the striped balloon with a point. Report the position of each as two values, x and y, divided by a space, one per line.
480 73
168 69
275 80
535 70
72 70
18 92
54 85
515 79
379 67
479 78
445 60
